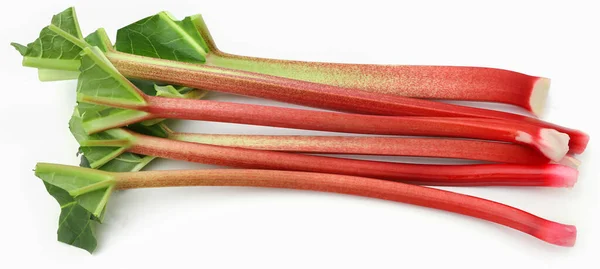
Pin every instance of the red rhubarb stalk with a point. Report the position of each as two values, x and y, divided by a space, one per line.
438 82
549 231
310 94
549 175
549 142
101 84
432 82
428 82
188 53
386 146
90 189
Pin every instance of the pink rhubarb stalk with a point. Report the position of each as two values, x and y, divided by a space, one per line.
386 146
89 191
432 82
549 231
428 82
310 94
549 142
549 175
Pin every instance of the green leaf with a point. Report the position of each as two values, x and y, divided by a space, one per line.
158 130
82 195
160 36
127 162
99 148
20 48
99 82
100 79
167 91
99 39
75 224
56 52
150 88
111 99
58 45
108 100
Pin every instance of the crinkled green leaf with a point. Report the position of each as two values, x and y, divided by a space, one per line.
127 162
57 51
111 158
96 155
100 79
100 82
149 88
82 195
158 130
160 36
89 190
99 39
101 85
20 48
58 46
167 91
75 224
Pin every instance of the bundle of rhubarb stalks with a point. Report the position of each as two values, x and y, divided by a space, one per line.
160 68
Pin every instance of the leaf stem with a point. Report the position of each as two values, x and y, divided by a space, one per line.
91 188
105 143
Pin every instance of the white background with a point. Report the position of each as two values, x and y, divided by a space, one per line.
237 227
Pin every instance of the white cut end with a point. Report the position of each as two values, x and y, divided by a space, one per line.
563 177
553 144
524 137
570 161
539 94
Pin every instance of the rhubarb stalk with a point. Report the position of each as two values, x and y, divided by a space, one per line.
85 192
102 87
386 146
252 84
102 147
433 82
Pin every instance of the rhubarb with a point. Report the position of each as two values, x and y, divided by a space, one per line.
101 148
66 37
368 145
83 195
165 36
109 100
393 146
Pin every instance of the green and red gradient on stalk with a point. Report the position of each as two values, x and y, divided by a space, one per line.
174 66
109 100
83 194
433 82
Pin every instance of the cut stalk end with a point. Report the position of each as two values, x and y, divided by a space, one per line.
570 161
552 143
563 176
539 95
579 142
558 234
